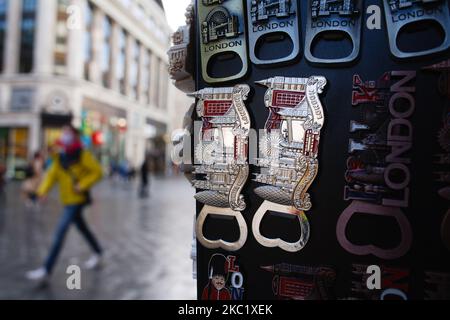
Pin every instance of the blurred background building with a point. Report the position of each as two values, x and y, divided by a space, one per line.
99 64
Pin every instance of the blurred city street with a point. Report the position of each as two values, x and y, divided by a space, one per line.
147 244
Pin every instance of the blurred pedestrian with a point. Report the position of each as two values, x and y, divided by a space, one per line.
31 184
52 152
144 191
76 171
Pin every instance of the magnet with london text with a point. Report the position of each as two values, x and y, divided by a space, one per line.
289 152
401 14
333 19
222 154
273 20
225 279
222 31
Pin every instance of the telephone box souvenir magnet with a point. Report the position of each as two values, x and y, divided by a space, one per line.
222 151
288 152
331 18
268 18
222 32
403 13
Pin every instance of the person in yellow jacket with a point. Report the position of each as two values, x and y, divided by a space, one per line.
76 171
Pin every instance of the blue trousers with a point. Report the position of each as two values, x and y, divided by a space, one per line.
71 214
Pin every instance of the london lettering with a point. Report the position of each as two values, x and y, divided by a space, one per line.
223 46
273 26
400 135
333 23
378 175
417 14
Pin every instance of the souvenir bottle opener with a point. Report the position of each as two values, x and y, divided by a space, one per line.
223 154
270 17
400 13
222 31
182 53
289 151
327 16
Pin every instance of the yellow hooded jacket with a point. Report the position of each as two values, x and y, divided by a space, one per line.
83 174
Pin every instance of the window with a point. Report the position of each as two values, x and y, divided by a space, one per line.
88 20
134 71
60 53
158 83
106 52
161 90
164 86
146 76
27 35
3 21
121 60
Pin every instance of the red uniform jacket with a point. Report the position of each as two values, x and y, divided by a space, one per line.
211 293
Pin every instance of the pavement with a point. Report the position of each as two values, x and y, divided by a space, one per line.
147 244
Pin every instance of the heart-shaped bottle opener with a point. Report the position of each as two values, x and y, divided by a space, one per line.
222 151
289 151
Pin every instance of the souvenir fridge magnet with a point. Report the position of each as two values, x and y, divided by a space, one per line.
225 279
442 160
443 69
288 153
222 151
294 282
335 20
401 14
222 32
272 20
182 55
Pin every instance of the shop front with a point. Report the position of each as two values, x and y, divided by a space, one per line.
14 151
103 130
51 128
156 144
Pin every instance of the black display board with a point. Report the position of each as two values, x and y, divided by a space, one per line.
426 210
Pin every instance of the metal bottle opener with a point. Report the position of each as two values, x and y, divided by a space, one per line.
289 151
222 30
222 152
400 13
271 17
338 17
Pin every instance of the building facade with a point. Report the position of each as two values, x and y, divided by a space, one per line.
99 64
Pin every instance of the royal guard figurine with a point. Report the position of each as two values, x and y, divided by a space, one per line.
216 288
